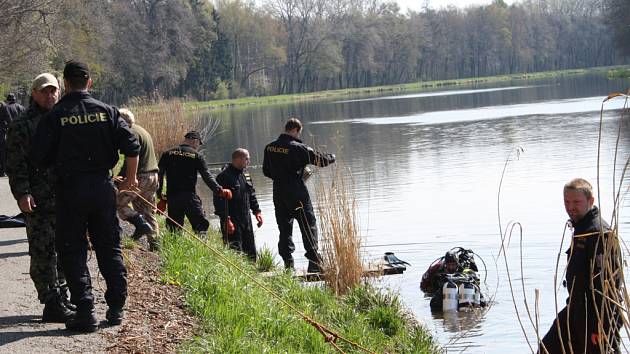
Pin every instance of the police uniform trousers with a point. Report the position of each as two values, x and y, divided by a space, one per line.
293 202
241 240
186 204
571 331
86 205
44 269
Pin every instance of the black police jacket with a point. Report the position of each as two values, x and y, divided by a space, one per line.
82 135
8 113
181 165
585 257
286 157
243 197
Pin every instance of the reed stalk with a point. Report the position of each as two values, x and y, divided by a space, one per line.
168 122
337 209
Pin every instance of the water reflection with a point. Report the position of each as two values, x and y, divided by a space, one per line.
422 189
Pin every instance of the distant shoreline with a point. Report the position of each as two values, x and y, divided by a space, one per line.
320 95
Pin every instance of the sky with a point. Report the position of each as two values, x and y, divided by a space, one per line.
436 4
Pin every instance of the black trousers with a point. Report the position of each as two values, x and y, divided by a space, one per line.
87 202
186 204
242 239
3 153
294 203
570 329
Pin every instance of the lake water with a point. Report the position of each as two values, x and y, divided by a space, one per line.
427 168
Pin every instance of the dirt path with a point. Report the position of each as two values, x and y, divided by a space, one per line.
21 329
155 317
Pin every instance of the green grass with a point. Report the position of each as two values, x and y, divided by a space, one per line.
619 73
282 99
239 317
128 243
265 260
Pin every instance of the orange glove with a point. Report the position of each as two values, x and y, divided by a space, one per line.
259 219
225 193
161 205
594 338
230 227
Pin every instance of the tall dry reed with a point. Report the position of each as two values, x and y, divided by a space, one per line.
337 209
167 122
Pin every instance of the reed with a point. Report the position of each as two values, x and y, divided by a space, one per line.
168 122
337 209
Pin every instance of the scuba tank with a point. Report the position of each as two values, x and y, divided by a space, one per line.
449 296
477 297
466 294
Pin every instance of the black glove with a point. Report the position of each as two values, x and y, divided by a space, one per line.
331 158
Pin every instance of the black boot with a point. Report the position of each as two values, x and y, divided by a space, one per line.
289 264
55 311
114 315
313 267
65 298
142 226
83 321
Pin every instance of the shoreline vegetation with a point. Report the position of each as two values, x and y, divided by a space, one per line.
618 71
237 316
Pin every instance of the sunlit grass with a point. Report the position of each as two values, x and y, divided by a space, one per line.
265 261
240 317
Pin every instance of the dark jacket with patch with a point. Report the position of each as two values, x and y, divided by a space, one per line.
243 197
286 157
181 165
82 135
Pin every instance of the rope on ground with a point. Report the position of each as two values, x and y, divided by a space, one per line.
329 335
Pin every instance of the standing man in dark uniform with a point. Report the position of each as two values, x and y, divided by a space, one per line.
284 162
589 322
8 112
181 165
81 136
33 189
236 223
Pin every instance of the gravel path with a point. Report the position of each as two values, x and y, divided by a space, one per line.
21 329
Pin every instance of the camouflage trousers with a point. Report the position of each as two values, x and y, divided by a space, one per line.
147 183
45 271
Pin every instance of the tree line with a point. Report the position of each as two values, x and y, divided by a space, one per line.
234 48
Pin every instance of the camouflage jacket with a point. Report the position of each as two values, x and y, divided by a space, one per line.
24 177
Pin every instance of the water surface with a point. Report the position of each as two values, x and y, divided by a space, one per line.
427 168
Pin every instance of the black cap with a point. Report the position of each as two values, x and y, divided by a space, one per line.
76 69
193 134
11 97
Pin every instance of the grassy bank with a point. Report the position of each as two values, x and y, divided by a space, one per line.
228 103
239 317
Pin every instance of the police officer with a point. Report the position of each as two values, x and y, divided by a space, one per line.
8 112
236 223
81 136
284 162
141 216
181 165
592 262
33 190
